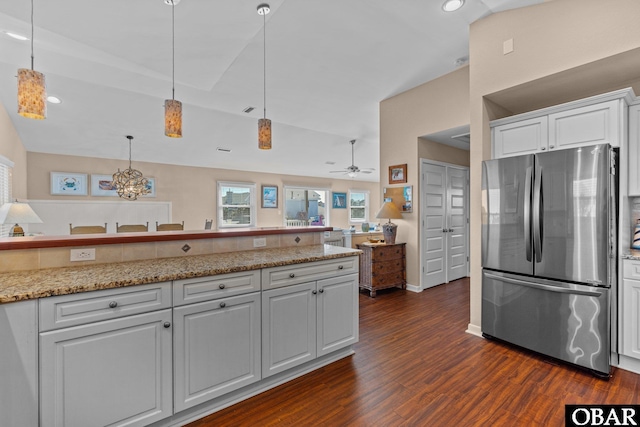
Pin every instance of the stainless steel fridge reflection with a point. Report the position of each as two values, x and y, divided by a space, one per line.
548 253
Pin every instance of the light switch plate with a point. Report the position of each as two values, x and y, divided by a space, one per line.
83 254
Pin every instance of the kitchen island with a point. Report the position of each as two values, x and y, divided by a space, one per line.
167 341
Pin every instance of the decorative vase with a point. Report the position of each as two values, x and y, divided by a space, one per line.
365 227
389 231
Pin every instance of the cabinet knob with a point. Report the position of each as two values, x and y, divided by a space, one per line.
340 267
314 292
221 286
321 291
551 147
167 324
223 305
292 275
113 304
543 148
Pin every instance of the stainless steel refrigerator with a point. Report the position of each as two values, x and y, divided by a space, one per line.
549 245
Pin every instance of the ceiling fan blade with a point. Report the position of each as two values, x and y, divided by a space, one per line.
365 171
337 171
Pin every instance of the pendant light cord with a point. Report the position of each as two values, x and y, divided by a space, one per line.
173 51
32 34
264 63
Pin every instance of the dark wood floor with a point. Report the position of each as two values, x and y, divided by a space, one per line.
415 366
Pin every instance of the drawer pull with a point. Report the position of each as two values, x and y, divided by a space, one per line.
223 305
292 275
340 267
221 286
113 304
167 324
321 291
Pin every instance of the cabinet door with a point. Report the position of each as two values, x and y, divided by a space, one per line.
216 348
337 313
631 318
522 137
634 150
288 327
590 125
115 372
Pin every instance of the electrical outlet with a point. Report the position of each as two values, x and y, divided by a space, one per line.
259 242
83 254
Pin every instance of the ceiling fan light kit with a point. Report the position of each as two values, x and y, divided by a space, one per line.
353 170
32 92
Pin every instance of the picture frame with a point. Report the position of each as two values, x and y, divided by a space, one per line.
339 200
398 174
402 197
269 196
68 184
101 186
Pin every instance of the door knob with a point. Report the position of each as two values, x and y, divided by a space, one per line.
167 324
444 230
451 230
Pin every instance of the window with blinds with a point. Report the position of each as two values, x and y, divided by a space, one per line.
6 168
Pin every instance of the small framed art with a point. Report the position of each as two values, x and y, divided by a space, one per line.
69 184
339 200
102 185
269 196
398 174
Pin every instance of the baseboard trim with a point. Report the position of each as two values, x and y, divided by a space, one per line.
414 288
629 364
474 330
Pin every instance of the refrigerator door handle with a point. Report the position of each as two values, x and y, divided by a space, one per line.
537 213
544 287
527 213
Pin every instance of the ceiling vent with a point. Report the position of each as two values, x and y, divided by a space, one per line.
248 109
463 137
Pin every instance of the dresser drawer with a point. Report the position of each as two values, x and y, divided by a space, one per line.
386 253
200 289
382 267
631 269
277 277
387 279
77 309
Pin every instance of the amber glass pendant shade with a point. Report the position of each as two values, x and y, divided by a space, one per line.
32 94
173 118
264 134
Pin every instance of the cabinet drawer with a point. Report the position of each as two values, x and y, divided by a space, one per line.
277 277
631 269
76 309
200 289
383 267
387 253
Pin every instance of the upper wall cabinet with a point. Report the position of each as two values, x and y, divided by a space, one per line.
596 120
634 150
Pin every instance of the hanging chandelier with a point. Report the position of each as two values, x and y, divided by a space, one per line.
173 107
32 92
264 124
130 183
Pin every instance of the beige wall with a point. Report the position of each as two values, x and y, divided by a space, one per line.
11 147
192 190
438 105
563 50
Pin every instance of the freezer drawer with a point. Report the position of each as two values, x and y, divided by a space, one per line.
566 321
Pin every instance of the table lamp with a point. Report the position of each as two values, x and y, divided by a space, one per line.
15 213
390 211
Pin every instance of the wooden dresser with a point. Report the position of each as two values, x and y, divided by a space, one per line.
382 266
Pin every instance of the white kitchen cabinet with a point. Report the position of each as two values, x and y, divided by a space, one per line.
631 309
308 320
216 348
114 372
521 137
634 150
19 364
588 125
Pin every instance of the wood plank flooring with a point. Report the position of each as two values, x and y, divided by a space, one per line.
415 366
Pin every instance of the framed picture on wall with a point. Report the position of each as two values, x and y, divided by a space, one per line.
68 184
398 174
339 200
269 196
151 186
102 185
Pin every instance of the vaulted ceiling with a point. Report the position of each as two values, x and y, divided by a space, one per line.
328 65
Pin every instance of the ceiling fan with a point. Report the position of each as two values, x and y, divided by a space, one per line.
352 170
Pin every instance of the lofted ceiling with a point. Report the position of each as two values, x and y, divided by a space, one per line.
328 65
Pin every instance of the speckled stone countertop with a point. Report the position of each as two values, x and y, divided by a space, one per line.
632 254
24 285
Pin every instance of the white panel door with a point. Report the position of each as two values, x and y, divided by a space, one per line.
111 373
434 223
337 313
457 224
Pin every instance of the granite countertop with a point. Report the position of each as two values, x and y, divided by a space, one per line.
632 254
24 285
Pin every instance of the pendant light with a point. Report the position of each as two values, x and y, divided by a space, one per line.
130 183
264 124
173 107
32 92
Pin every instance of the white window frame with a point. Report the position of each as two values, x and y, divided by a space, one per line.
367 199
252 204
6 184
327 195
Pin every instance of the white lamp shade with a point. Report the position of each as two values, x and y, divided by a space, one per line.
389 210
16 213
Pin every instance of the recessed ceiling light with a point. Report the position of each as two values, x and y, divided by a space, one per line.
53 99
461 61
16 36
452 5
